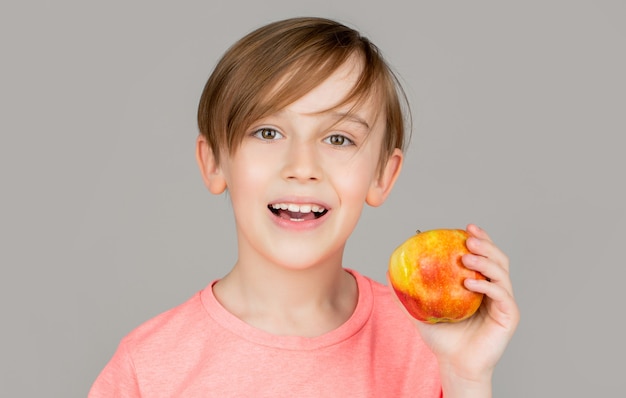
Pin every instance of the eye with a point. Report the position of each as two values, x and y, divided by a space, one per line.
267 134
339 140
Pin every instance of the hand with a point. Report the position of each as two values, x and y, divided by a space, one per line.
469 350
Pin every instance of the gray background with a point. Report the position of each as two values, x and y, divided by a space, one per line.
104 220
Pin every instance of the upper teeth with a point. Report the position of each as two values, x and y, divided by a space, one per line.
298 208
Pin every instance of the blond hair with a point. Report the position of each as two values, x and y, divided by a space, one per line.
287 59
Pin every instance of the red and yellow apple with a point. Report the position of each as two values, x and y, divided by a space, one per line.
427 275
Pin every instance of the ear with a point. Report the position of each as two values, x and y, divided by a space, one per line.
211 172
381 186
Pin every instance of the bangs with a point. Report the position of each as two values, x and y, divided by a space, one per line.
311 71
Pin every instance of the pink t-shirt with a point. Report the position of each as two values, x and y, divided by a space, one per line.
199 349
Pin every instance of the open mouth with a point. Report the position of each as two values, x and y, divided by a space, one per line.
295 212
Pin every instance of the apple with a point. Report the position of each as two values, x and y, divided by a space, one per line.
427 275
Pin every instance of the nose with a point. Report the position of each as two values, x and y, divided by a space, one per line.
302 162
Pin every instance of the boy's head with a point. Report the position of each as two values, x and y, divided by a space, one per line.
279 63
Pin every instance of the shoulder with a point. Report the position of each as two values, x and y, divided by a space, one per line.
150 347
380 294
174 336
171 320
386 311
385 304
167 329
396 341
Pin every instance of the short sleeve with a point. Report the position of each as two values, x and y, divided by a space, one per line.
118 378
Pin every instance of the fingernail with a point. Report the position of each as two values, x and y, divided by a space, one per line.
469 259
472 241
470 282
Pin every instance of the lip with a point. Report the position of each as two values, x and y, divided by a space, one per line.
299 225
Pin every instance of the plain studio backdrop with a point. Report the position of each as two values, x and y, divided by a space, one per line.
519 116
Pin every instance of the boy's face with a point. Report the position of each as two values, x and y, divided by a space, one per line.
300 177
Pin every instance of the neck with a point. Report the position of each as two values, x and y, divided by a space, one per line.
306 302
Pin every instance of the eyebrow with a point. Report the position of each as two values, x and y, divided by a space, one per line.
340 115
351 117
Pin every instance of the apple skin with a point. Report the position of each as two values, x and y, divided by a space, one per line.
427 275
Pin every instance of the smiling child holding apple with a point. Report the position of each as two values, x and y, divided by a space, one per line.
301 122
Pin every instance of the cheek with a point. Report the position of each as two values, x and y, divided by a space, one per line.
247 171
354 181
260 164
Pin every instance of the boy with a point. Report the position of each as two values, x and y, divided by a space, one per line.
301 122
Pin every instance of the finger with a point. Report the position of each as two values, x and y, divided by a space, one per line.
488 249
478 232
482 244
489 269
501 300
